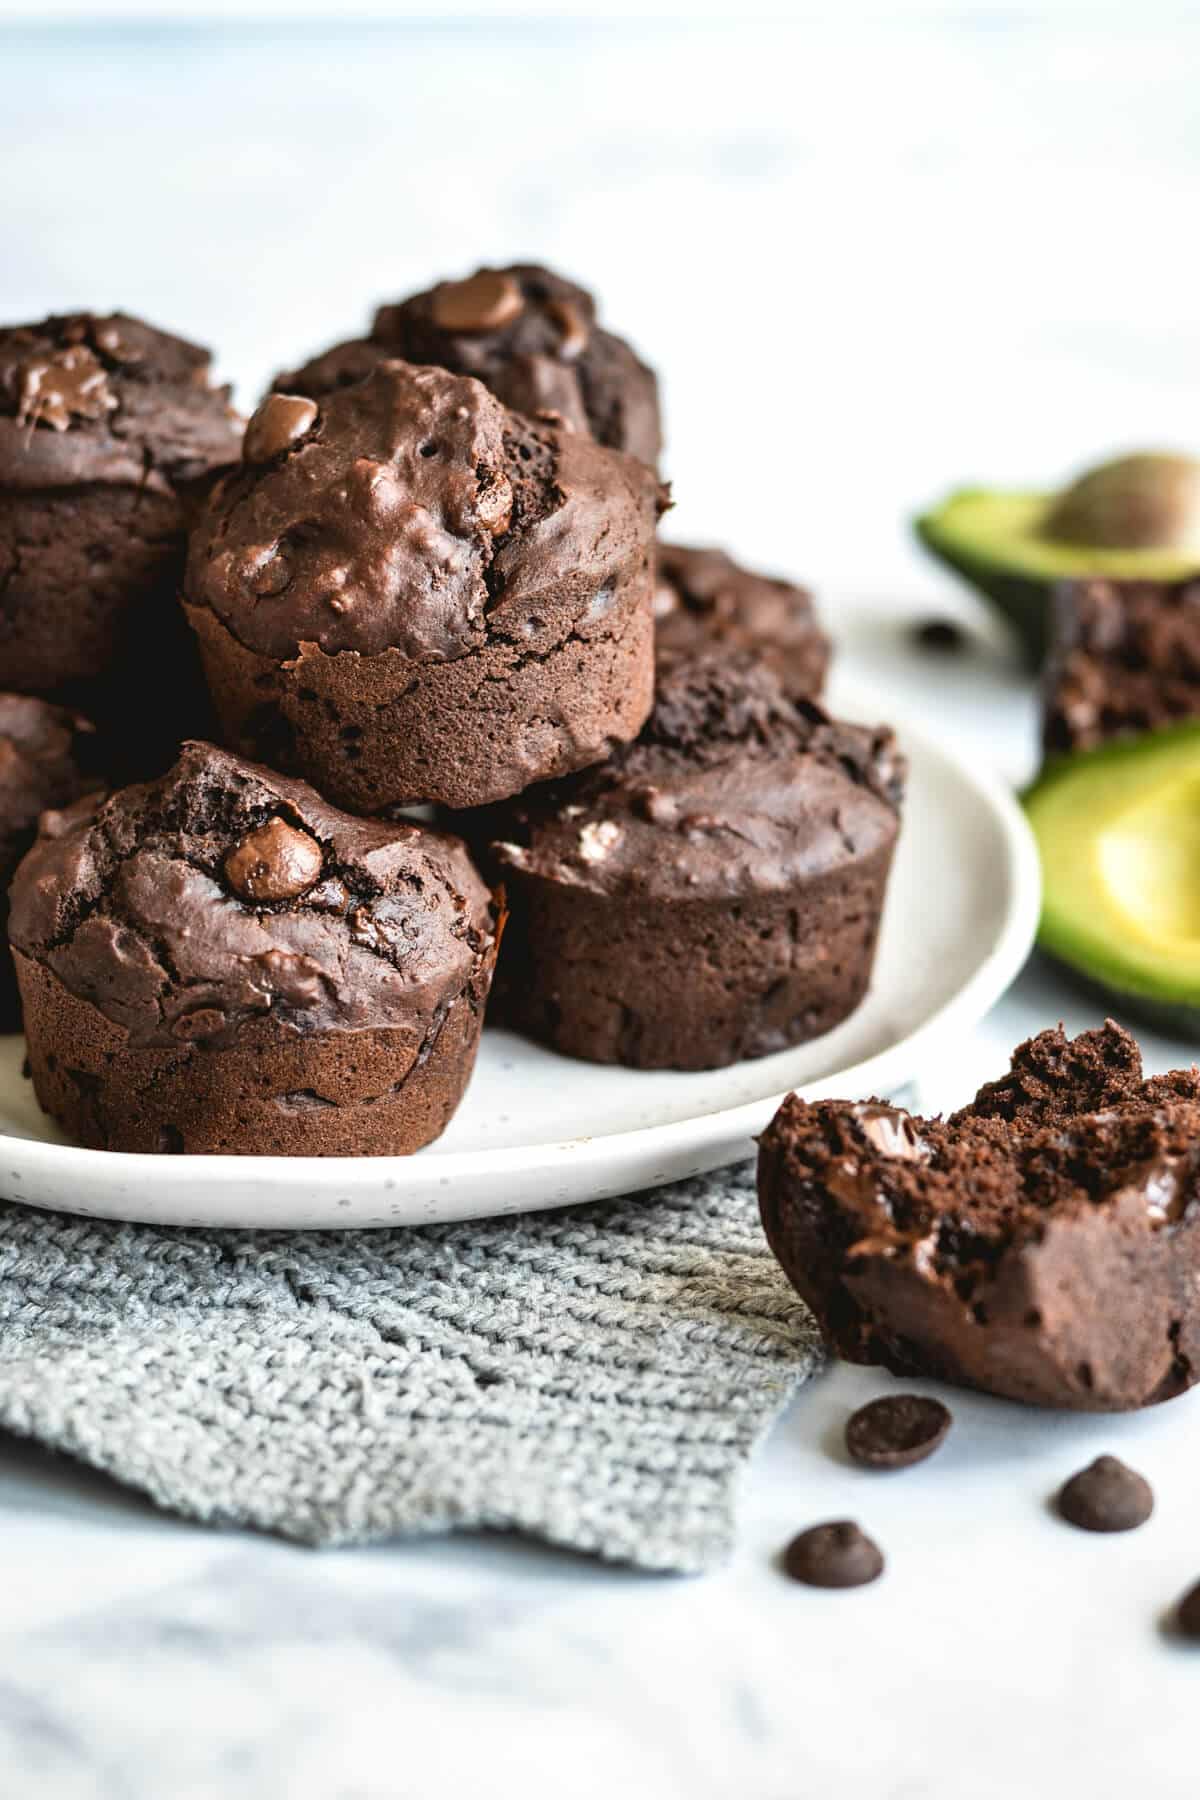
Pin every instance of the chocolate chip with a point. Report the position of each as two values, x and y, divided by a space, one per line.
276 862
891 1132
487 301
63 385
281 421
1106 1496
1187 1614
940 635
573 326
837 1555
896 1431
270 573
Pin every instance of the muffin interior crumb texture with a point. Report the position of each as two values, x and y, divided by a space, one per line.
956 1245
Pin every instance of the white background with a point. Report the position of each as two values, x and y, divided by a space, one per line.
875 253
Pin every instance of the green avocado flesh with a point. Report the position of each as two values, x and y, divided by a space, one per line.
998 542
1119 833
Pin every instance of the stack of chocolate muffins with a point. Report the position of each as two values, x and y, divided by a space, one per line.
425 576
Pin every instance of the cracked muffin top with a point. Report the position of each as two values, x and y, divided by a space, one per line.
225 894
86 397
529 335
412 512
730 789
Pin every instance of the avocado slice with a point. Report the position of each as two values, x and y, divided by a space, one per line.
1118 829
1134 519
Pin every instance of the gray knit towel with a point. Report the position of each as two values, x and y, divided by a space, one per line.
597 1377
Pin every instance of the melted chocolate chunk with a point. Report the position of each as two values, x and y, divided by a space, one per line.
61 387
281 421
275 862
487 301
891 1131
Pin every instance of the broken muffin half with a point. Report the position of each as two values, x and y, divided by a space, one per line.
1042 1244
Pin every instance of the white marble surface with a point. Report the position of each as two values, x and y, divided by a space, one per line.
873 256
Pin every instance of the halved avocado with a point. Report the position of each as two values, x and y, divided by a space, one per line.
1135 519
1119 833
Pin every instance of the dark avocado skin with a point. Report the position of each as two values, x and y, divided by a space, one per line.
1022 600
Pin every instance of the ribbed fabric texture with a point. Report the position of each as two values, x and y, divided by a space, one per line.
596 1377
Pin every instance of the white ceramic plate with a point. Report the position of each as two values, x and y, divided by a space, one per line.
540 1130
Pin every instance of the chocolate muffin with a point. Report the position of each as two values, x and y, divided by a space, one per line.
528 335
1042 1244
704 600
411 595
220 962
47 759
710 893
1124 658
109 429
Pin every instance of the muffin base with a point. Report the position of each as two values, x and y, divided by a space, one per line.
275 1093
372 732
697 985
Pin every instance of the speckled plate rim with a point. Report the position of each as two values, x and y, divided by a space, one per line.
276 1192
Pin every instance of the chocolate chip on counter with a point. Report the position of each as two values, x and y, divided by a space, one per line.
1187 1614
573 326
276 862
837 1555
896 1431
940 635
484 302
281 421
1106 1496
